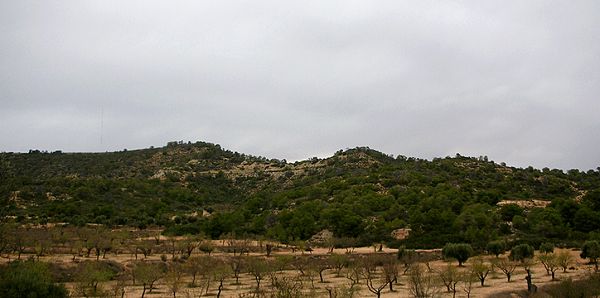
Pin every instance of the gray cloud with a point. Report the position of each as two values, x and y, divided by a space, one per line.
517 81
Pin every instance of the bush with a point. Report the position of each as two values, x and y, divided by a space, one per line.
589 287
591 250
547 247
521 252
459 251
28 279
495 248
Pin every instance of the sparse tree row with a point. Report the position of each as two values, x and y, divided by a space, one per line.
150 263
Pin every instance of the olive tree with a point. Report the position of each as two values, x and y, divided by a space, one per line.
591 250
495 247
458 251
521 252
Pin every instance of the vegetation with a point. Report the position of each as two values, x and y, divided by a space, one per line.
521 252
28 279
589 287
495 247
358 194
90 205
458 251
591 251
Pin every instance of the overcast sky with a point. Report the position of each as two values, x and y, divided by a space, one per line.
518 81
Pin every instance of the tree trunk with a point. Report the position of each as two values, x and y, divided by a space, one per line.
220 289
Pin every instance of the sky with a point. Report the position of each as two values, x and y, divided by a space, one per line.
517 81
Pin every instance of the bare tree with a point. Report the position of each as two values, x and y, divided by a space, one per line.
550 262
40 240
354 273
148 273
481 269
18 239
196 266
145 247
565 259
189 243
450 278
375 281
389 266
237 265
89 276
421 284
468 279
339 262
301 263
221 272
320 265
259 269
206 246
174 278
506 266
286 286
118 288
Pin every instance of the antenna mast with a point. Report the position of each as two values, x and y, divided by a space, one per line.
101 124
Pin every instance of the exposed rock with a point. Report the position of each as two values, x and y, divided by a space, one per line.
400 234
321 238
526 204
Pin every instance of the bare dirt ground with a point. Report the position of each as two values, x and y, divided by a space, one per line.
496 284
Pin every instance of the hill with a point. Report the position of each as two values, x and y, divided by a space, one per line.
359 194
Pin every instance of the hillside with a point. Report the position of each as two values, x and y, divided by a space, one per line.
359 194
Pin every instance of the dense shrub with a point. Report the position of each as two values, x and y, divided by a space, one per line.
495 247
459 251
591 250
28 279
521 252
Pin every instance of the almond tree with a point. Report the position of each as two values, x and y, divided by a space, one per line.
550 262
320 265
450 278
147 274
506 266
197 266
220 273
189 243
237 265
206 247
89 275
481 270
375 282
258 268
565 259
420 283
338 262
174 278
468 278
390 270
354 272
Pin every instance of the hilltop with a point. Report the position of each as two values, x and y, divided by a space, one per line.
359 194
